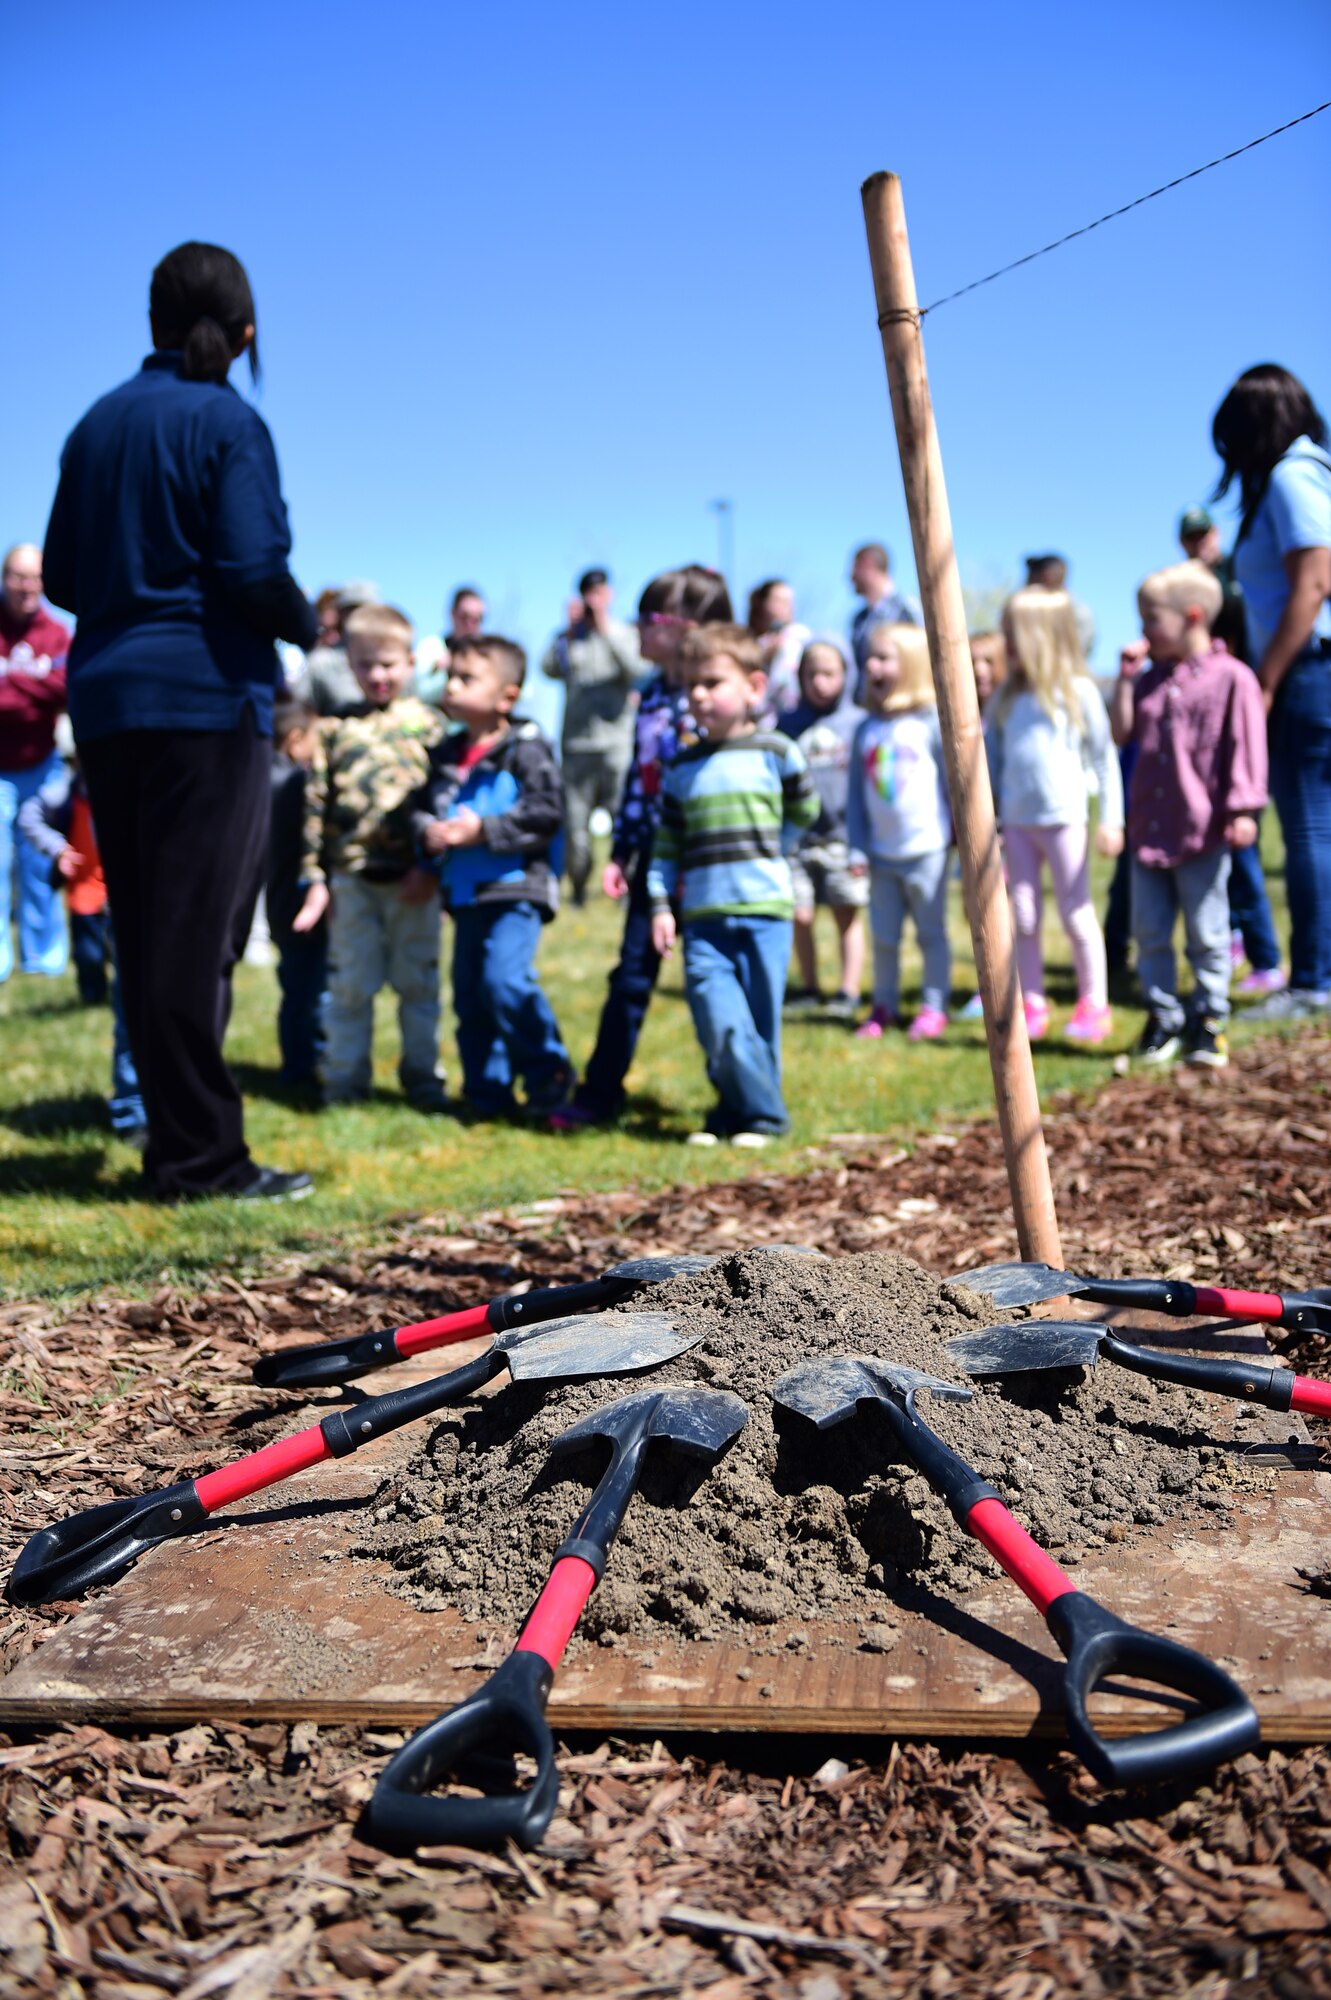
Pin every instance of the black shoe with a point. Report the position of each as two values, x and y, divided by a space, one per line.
1158 1044
1206 1045
271 1184
800 1002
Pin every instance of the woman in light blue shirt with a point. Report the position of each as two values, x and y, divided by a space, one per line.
1272 439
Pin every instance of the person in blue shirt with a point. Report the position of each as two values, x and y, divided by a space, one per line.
1272 438
168 539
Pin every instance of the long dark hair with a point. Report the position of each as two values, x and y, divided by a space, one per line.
758 597
1255 426
200 302
694 592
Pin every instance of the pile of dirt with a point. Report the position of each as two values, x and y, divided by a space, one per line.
792 1523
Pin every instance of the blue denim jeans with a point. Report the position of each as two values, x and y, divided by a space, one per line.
735 977
1250 908
1301 789
42 944
1200 889
506 1027
126 1100
90 946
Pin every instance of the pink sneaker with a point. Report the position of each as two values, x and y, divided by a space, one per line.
1274 980
927 1026
1036 1011
1089 1023
1237 954
877 1024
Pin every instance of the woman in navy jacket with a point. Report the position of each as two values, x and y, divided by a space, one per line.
169 541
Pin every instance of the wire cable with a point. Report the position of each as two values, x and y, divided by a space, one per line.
1126 209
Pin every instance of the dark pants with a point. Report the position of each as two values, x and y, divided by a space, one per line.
506 1027
302 975
1301 789
631 984
90 947
182 824
1250 908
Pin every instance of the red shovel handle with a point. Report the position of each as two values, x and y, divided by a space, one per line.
1238 1305
428 1333
262 1468
1030 1568
1312 1398
556 1612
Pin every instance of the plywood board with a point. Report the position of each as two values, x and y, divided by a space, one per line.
272 1618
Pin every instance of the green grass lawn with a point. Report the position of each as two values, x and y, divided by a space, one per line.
71 1212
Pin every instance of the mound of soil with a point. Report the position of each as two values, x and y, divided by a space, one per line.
792 1523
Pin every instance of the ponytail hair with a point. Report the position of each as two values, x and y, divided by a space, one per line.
200 302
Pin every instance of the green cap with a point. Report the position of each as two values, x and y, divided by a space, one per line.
1195 522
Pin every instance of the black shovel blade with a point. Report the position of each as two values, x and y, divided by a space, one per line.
100 1544
1029 1347
612 1343
1020 1284
657 1270
699 1421
829 1390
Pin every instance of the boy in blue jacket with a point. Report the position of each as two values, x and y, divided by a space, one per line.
490 815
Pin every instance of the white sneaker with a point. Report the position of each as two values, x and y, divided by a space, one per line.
702 1139
753 1140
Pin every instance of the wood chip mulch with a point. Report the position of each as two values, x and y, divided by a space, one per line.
226 1861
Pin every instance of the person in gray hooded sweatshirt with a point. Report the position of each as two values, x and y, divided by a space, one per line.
825 869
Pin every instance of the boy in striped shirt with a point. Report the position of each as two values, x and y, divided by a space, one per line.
731 805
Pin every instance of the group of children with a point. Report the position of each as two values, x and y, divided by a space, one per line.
731 835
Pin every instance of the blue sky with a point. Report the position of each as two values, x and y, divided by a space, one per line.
535 284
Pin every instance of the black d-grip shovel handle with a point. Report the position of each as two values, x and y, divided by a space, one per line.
99 1544
1098 1644
1094 1641
504 1716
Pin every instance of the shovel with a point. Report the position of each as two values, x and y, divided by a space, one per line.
1031 1346
329 1361
1095 1642
506 1716
1030 1284
99 1544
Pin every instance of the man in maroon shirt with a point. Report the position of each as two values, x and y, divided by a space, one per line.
32 695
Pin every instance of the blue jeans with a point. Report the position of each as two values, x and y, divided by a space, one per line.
90 945
1200 889
1250 908
126 1100
506 1027
42 943
1301 788
735 976
302 975
631 985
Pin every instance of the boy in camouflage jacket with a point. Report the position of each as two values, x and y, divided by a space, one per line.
359 865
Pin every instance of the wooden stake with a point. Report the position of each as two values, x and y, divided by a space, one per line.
959 718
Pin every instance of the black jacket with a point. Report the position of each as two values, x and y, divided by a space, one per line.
517 790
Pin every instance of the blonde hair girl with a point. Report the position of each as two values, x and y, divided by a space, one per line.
1049 746
897 815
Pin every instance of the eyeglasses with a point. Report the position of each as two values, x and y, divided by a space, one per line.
660 618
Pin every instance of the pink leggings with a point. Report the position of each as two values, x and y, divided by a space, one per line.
1066 849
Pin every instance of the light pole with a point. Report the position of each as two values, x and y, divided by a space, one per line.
724 511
